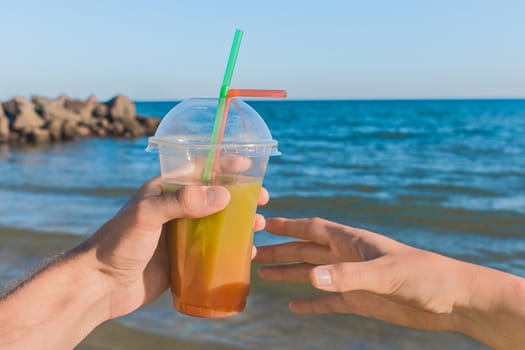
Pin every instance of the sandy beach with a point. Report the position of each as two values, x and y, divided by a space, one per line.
113 335
266 322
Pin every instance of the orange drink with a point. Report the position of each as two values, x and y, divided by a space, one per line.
210 257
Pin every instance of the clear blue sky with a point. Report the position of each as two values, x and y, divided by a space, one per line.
314 49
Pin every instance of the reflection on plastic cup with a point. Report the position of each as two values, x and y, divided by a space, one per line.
210 257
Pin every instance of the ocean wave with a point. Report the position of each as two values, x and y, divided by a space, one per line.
393 135
419 215
95 191
454 189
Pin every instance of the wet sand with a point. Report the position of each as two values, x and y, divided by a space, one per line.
114 336
24 251
266 322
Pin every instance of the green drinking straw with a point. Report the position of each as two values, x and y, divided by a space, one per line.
221 107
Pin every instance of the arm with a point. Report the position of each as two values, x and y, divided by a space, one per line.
374 276
57 307
120 268
117 270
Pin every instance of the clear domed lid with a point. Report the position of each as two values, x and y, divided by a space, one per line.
190 123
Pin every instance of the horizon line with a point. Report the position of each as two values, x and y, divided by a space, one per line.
435 98
352 99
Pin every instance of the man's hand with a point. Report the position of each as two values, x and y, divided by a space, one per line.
132 253
120 268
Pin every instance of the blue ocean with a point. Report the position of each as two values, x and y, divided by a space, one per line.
443 175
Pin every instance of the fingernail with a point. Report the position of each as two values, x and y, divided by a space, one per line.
322 277
216 196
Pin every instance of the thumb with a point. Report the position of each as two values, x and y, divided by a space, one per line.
189 201
344 277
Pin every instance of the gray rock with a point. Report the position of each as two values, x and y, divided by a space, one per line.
23 134
22 114
38 136
117 128
100 111
52 109
83 131
4 126
100 132
11 107
83 108
150 124
53 120
14 137
132 128
55 130
69 130
121 107
103 123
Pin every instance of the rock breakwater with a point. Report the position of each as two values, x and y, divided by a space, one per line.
41 120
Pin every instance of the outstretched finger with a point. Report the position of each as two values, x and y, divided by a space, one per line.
373 276
324 304
303 251
313 229
375 306
286 273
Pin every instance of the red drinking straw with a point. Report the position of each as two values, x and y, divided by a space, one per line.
246 93
257 93
240 93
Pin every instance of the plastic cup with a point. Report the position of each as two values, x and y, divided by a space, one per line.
210 257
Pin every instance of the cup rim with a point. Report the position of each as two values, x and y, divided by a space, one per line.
155 143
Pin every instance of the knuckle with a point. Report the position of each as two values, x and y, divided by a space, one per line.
186 201
154 181
308 224
360 248
273 255
296 251
395 281
314 221
288 226
344 274
338 275
142 209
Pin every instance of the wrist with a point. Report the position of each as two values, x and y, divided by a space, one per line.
89 284
494 313
85 303
470 309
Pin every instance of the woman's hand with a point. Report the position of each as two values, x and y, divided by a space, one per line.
371 275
